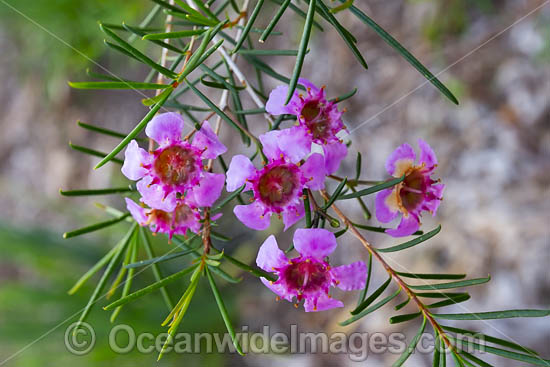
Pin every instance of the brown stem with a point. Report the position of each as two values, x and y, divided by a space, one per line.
422 308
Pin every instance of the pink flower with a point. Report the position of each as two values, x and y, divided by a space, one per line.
318 122
416 193
175 168
277 187
309 276
185 216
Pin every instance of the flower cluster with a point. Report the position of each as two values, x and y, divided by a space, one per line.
175 187
171 179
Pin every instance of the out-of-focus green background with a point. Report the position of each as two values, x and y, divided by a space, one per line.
494 151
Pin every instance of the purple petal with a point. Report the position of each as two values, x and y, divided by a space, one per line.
295 142
314 170
270 256
306 83
154 195
278 289
401 158
209 188
270 144
386 205
427 155
207 141
408 226
165 128
252 216
137 211
134 159
240 169
293 214
334 153
433 205
350 277
276 103
323 303
314 242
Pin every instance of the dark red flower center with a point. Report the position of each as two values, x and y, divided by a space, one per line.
306 275
175 165
412 189
316 120
278 185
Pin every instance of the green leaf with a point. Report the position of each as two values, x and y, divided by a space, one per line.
348 38
343 97
95 227
120 49
156 270
140 126
508 314
474 359
129 279
253 111
406 54
100 76
451 301
402 304
162 44
307 208
534 360
490 339
458 284
300 12
431 276
373 189
150 288
158 259
228 199
274 21
268 52
205 10
249 25
100 130
302 50
411 243
335 194
364 291
176 34
94 269
371 298
437 351
249 269
223 312
457 360
121 247
139 55
440 295
410 349
156 99
114 190
93 152
358 167
370 309
404 318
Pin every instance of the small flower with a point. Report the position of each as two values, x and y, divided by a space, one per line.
175 168
318 122
416 193
309 276
185 216
277 187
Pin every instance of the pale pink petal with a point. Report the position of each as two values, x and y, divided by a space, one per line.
350 277
252 216
154 195
278 289
314 242
270 256
276 103
137 211
292 215
134 160
400 158
240 169
386 211
207 141
314 170
334 153
270 144
322 303
427 155
165 128
306 83
295 142
406 227
209 188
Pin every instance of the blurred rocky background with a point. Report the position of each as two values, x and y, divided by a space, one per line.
493 150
